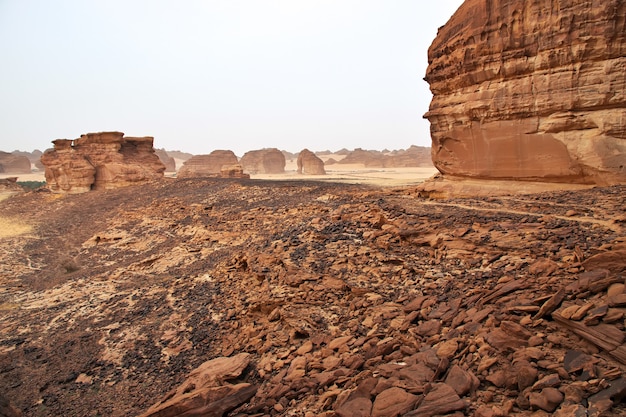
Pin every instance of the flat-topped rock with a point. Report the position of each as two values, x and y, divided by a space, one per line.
104 160
207 165
14 164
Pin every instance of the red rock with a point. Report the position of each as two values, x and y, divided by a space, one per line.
264 161
207 165
310 164
393 402
103 160
548 399
461 381
511 98
441 400
206 392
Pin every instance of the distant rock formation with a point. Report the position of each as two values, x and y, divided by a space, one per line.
264 161
233 171
99 161
207 165
310 164
34 157
168 161
14 164
415 156
531 91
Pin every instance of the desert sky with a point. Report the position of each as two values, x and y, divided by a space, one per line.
218 74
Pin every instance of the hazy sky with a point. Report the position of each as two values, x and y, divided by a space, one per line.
218 74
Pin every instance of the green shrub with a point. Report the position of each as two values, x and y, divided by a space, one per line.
31 185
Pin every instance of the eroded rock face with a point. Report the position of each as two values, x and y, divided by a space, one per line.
207 165
104 160
168 161
310 164
14 164
264 161
531 90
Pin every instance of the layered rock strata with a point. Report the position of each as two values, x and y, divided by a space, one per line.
264 161
207 165
310 164
104 160
531 90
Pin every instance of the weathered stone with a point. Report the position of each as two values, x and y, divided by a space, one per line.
530 91
264 161
207 165
99 161
548 399
461 380
393 402
310 164
441 400
206 391
233 171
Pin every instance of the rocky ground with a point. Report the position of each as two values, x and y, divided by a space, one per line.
312 299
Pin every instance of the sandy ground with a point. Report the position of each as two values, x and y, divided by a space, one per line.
346 173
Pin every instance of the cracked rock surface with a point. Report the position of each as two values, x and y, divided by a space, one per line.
309 299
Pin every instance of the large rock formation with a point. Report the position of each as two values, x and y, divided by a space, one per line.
98 161
14 164
531 90
310 164
207 165
264 161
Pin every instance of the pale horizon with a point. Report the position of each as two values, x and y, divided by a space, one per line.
205 75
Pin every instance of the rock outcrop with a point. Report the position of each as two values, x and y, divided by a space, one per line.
207 391
207 165
233 171
531 91
264 161
100 161
310 164
14 164
168 161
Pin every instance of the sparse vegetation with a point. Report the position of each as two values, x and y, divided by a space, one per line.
31 185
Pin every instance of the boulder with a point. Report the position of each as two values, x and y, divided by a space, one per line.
206 391
14 164
98 161
207 165
310 164
264 161
530 90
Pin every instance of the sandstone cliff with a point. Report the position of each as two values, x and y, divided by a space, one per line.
102 160
168 161
264 161
310 164
531 90
207 165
